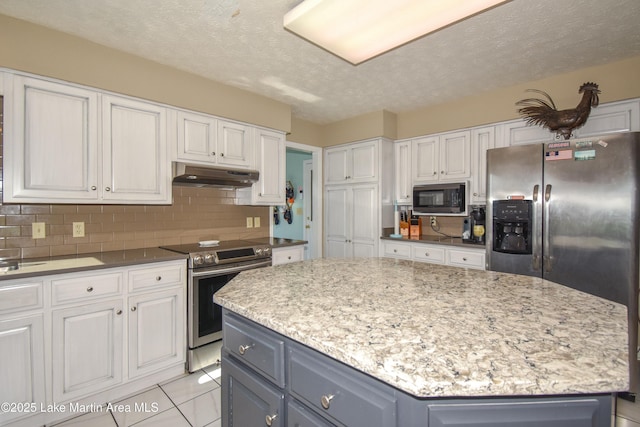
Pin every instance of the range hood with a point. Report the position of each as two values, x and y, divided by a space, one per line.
203 176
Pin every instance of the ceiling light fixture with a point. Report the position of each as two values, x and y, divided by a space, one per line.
358 30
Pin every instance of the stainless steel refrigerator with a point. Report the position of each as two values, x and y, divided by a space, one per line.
569 212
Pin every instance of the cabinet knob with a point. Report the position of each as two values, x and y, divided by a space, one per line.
221 154
325 401
119 312
464 259
90 289
134 308
426 254
289 257
435 173
395 251
269 419
213 153
107 189
442 172
94 188
158 278
243 348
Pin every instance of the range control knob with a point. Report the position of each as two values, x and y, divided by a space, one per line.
267 250
209 259
197 260
258 251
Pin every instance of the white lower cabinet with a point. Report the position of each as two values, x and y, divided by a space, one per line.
22 364
90 336
456 256
351 218
87 349
155 331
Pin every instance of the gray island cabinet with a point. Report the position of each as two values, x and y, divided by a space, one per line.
375 343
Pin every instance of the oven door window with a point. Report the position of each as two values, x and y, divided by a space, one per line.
208 315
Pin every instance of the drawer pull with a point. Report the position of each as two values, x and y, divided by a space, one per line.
90 289
464 259
269 419
158 278
119 312
289 257
395 251
134 308
325 401
426 254
243 348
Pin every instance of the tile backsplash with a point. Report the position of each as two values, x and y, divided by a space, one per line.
196 214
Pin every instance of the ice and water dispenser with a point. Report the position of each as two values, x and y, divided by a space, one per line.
512 226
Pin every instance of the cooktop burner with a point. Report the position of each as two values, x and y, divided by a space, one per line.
224 252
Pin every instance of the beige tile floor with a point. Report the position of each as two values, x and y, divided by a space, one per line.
190 401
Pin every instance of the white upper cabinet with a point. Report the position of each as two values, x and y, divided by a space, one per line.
234 144
404 186
271 163
425 156
351 163
482 139
197 136
518 132
54 153
442 158
50 141
135 164
207 139
615 117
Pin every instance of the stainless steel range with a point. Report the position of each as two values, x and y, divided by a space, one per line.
211 265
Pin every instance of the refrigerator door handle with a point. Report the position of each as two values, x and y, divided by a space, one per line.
546 250
536 189
547 193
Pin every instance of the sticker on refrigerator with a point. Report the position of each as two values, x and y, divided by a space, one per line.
562 144
585 155
584 144
558 155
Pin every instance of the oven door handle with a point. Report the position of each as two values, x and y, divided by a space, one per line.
236 269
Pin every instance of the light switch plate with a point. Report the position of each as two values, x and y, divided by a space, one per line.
249 222
256 221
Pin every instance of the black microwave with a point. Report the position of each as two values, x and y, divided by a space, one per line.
440 199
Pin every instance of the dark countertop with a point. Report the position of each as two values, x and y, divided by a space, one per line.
32 267
278 242
438 240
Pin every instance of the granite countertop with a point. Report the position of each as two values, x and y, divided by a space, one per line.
91 261
278 242
439 331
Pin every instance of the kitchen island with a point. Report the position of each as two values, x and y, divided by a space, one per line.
425 334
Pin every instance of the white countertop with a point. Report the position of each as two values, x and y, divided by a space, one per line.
438 331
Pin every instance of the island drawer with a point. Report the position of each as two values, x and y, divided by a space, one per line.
20 296
287 255
259 350
80 288
157 275
426 253
298 415
334 391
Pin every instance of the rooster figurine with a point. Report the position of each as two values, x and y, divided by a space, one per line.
540 112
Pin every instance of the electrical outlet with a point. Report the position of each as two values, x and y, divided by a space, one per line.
78 229
249 222
433 221
37 230
256 221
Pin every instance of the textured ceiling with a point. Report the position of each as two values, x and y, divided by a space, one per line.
242 43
